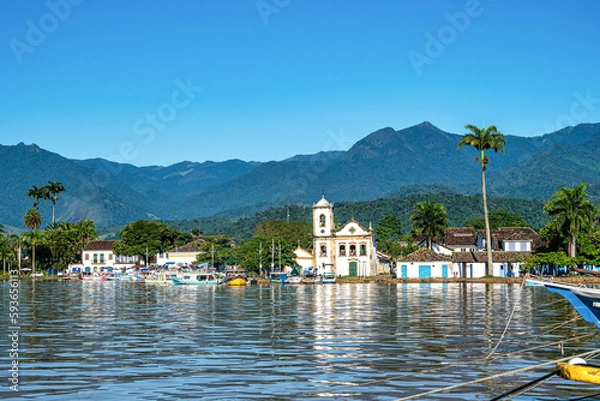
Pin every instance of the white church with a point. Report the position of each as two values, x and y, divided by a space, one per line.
349 251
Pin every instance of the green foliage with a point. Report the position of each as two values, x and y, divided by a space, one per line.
33 219
430 219
572 214
483 139
145 237
549 259
498 218
389 228
215 250
257 251
589 249
62 241
292 234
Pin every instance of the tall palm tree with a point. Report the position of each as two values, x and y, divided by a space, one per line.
572 213
430 219
484 139
53 189
37 193
33 221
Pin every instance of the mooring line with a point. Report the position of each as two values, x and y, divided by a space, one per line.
441 390
507 323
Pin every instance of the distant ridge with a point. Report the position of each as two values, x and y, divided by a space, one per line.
385 163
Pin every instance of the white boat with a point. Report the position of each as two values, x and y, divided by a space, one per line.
328 278
198 278
294 280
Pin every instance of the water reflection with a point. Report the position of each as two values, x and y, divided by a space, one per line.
129 341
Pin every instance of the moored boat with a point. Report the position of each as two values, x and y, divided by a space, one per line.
198 278
585 300
237 282
328 278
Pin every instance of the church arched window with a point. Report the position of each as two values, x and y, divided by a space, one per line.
324 250
322 220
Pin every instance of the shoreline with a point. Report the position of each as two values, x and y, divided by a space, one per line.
385 279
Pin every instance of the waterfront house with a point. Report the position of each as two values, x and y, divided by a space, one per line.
181 255
99 254
466 247
304 258
473 264
424 263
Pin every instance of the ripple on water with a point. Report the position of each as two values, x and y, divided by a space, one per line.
122 341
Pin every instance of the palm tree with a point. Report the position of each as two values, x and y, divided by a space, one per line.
484 139
37 194
86 231
430 219
572 213
53 189
33 221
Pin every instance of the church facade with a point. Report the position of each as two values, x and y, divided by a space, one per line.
349 251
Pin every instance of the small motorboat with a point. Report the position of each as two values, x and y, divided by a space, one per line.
328 278
198 278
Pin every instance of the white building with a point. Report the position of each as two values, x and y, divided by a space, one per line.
349 251
99 254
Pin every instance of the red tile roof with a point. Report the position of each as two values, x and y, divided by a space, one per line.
100 245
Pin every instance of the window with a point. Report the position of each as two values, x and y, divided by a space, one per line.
95 258
342 250
324 250
512 246
110 256
523 246
352 250
87 256
101 258
322 220
363 250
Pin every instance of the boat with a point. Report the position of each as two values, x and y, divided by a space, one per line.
237 282
294 280
585 300
328 278
198 278
591 272
277 277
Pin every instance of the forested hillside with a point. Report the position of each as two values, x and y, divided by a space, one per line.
460 209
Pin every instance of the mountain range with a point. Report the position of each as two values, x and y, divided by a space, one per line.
385 163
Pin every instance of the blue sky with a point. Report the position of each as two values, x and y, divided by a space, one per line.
156 82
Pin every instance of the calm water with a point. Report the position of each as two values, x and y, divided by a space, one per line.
126 341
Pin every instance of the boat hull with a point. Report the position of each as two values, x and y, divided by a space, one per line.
237 282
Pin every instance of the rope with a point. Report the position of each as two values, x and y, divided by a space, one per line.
441 390
507 323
